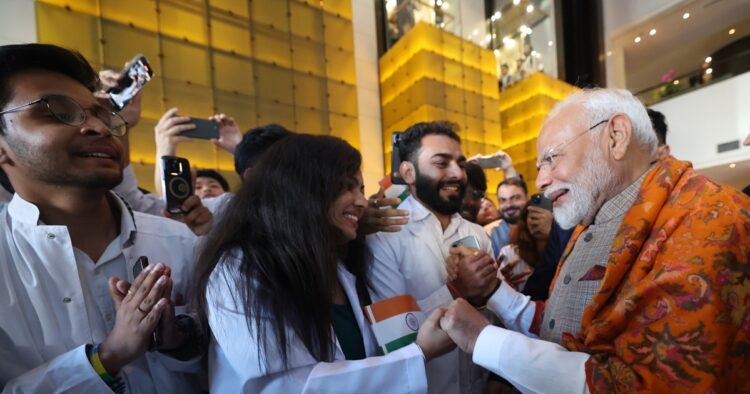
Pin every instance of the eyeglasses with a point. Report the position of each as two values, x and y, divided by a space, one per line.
68 111
550 155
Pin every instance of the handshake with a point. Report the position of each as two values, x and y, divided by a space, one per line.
473 278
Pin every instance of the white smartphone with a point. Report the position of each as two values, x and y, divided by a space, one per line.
490 161
470 242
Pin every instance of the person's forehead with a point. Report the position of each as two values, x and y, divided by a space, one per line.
509 190
33 84
560 127
440 144
206 179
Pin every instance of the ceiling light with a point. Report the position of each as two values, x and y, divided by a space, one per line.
609 53
509 42
708 59
732 165
444 6
439 3
550 43
676 82
497 52
731 31
686 15
516 2
709 70
497 15
652 32
530 8
637 39
476 32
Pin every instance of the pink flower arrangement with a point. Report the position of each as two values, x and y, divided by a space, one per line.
668 76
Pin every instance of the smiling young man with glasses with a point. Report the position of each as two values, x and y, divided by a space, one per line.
652 292
79 309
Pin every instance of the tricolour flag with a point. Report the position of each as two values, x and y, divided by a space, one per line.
394 321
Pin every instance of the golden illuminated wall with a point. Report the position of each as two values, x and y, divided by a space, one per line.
523 107
432 75
261 61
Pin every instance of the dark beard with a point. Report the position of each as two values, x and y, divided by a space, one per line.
428 191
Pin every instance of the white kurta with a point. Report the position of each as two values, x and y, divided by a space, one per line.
234 365
412 261
54 300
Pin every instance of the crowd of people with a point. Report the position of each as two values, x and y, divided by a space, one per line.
627 273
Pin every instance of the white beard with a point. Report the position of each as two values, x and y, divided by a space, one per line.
583 192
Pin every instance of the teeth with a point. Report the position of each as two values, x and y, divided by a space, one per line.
97 154
351 217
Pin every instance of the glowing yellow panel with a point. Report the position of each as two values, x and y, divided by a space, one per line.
238 106
308 57
230 36
137 13
310 92
120 43
272 46
306 22
68 29
274 83
271 13
141 139
152 104
343 98
342 8
78 6
311 121
338 32
235 7
340 65
271 112
345 127
185 62
183 21
233 74
192 100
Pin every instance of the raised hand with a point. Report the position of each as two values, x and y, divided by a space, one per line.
463 323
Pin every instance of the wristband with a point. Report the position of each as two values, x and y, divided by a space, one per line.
96 362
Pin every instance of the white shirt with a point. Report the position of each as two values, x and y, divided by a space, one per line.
54 300
532 365
412 261
153 204
234 364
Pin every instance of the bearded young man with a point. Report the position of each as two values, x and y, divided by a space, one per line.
652 294
413 261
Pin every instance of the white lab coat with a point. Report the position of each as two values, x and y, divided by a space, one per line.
54 300
234 365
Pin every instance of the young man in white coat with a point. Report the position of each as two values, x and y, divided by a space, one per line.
78 311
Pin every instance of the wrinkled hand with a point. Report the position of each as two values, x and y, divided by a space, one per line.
475 273
539 221
138 313
167 132
196 216
229 133
377 218
132 111
431 338
506 273
463 323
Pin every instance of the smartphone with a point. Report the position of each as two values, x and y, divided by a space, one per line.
176 182
539 200
396 159
135 75
470 242
490 161
204 129
139 266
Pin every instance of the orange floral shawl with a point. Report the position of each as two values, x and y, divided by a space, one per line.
673 310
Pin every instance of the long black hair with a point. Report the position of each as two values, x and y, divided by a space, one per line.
278 225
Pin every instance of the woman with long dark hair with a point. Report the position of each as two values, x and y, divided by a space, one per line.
283 278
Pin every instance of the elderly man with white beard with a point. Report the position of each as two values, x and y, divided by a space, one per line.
653 291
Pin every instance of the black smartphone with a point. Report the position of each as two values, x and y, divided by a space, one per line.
539 200
396 159
204 129
135 75
139 266
177 183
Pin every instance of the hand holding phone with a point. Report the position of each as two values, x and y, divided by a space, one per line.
396 159
136 73
470 242
539 200
177 182
205 129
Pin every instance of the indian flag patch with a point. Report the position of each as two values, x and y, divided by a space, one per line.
394 321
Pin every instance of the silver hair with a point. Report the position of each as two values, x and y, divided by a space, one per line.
600 104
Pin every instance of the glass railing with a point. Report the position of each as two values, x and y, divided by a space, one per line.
403 15
711 72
